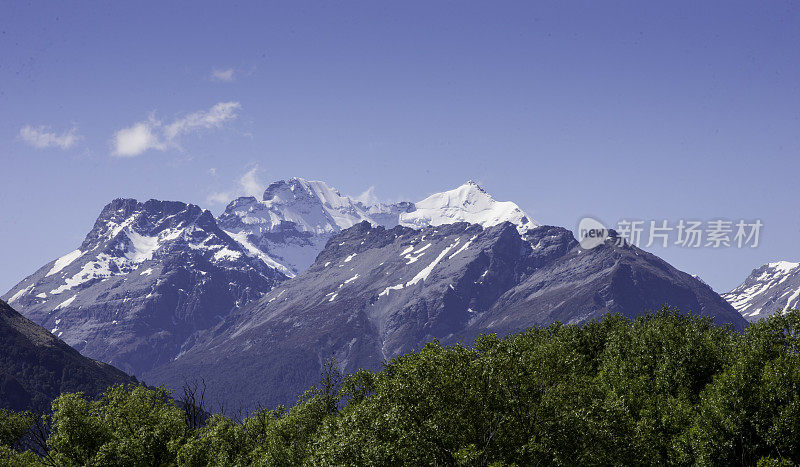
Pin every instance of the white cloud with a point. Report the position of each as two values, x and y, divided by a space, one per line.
212 118
249 184
132 141
152 134
42 137
220 197
368 197
222 75
212 171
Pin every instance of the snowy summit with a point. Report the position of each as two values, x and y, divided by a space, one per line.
467 203
290 225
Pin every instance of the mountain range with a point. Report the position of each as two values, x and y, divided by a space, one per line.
150 277
290 225
254 301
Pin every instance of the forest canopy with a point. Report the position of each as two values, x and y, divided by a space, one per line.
665 388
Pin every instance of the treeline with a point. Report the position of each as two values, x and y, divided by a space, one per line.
666 388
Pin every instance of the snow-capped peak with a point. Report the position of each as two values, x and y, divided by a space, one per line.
783 266
772 287
295 217
129 235
299 189
313 205
467 203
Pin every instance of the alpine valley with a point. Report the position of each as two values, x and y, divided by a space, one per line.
255 300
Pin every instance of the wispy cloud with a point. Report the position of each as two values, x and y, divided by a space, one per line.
249 184
220 197
368 197
153 134
212 118
43 137
226 75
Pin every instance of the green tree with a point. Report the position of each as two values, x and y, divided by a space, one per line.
128 425
13 426
662 389
752 409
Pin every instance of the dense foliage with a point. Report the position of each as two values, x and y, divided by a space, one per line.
663 389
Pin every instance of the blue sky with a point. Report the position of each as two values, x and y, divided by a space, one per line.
631 110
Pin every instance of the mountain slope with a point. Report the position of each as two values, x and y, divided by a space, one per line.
582 285
147 278
768 289
35 366
374 293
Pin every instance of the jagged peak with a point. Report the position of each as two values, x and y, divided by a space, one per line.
128 218
472 184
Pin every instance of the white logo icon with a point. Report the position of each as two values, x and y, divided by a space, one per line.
591 233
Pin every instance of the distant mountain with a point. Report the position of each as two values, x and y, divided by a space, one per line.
768 289
35 366
467 203
374 293
147 278
292 222
289 226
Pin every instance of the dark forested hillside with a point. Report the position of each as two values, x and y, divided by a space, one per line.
35 366
665 388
